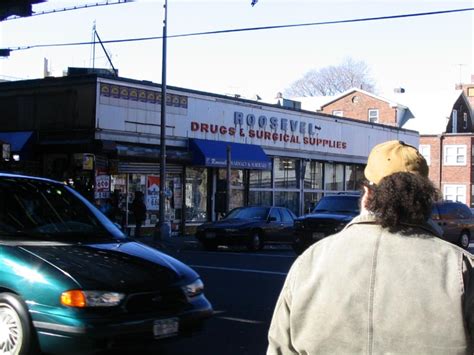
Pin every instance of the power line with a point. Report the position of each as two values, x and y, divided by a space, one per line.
247 29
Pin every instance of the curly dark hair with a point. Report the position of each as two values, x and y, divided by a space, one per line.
402 198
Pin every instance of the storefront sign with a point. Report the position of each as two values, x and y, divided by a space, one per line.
102 186
153 193
272 136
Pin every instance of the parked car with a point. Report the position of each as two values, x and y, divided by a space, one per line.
252 226
456 221
329 216
72 282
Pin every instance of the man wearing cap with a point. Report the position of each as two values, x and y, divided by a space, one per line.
384 284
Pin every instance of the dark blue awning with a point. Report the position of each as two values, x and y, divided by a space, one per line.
214 154
18 140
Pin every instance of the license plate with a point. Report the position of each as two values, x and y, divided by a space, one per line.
318 236
210 235
163 328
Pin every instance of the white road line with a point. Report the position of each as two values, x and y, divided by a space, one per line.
242 320
239 270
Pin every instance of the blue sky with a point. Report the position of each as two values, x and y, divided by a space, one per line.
420 54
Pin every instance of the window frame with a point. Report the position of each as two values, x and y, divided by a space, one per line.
454 146
370 118
426 155
457 194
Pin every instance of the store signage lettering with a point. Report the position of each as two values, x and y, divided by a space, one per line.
290 134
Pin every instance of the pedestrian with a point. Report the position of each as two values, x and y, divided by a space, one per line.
138 209
384 284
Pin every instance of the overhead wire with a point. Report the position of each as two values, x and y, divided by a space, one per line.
247 29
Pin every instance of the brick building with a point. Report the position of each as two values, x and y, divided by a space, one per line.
449 154
365 106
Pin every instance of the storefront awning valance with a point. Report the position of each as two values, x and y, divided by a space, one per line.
18 140
214 154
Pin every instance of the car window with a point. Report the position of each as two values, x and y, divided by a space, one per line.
435 212
463 211
37 209
259 213
276 214
447 210
287 218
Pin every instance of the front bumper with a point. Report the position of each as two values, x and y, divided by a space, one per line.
60 334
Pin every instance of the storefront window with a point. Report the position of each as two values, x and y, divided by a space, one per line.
118 188
354 177
137 182
310 200
260 198
236 177
313 177
196 194
333 177
287 199
285 173
260 178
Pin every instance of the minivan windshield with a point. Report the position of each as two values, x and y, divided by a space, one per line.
34 209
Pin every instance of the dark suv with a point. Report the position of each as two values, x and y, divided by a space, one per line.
329 216
456 221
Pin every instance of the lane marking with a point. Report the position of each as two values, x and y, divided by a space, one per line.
242 320
239 270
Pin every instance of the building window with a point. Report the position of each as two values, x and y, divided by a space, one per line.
338 113
196 194
354 177
313 176
455 193
373 115
285 173
464 120
260 179
355 99
425 150
333 177
470 92
454 155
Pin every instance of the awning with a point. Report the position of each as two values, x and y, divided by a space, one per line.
214 154
19 141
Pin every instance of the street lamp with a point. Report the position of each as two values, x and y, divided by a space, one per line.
163 228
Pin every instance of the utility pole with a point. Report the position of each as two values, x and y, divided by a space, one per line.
163 227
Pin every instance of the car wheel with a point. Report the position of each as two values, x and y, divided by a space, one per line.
255 242
464 240
16 333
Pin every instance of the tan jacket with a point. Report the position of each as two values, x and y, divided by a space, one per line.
368 291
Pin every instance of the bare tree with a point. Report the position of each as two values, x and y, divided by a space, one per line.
333 80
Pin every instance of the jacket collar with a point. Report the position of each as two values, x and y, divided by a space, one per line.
369 218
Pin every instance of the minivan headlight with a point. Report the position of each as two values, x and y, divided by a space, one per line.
82 299
193 289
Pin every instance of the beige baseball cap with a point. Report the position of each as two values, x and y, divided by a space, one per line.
394 157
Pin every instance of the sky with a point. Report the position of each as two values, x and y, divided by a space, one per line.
425 55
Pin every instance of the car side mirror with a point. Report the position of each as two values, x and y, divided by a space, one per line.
272 219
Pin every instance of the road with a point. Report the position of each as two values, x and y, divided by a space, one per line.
243 288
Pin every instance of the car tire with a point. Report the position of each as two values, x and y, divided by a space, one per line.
256 241
464 240
20 337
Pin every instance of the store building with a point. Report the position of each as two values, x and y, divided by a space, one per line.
101 134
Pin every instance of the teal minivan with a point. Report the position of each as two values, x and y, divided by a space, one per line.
72 282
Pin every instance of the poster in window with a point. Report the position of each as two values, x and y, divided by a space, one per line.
153 193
